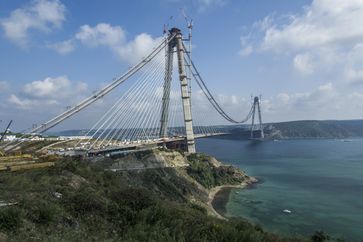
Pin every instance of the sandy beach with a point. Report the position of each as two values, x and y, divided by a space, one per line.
219 196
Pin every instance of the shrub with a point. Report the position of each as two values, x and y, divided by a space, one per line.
320 236
40 211
86 200
134 198
10 218
47 213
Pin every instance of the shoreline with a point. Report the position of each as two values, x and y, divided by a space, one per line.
218 196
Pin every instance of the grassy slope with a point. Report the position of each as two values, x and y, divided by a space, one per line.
145 206
208 175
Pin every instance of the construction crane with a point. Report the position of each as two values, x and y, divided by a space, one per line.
7 128
189 22
4 133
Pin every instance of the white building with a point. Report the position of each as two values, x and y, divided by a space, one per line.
9 137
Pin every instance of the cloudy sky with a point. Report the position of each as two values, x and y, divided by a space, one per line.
304 57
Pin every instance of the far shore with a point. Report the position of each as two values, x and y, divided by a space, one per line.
219 196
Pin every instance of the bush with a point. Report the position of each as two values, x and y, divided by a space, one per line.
86 200
320 236
10 218
208 175
202 172
40 211
109 206
134 198
47 213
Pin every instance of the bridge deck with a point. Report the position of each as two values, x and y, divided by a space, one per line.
146 143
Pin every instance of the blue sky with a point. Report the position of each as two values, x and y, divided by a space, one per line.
303 57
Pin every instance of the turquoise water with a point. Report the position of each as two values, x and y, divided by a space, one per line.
320 181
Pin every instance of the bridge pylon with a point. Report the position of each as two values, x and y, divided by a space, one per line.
256 105
177 43
166 89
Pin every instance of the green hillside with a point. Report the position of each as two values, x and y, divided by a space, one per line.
306 129
79 201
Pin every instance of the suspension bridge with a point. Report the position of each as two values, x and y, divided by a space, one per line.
154 110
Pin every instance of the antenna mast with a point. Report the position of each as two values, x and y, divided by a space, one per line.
189 22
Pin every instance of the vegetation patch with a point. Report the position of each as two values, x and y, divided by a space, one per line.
147 205
209 175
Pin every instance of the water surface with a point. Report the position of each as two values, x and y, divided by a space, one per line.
320 181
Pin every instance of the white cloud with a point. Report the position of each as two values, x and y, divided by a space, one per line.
101 34
4 86
325 36
324 22
60 87
303 63
112 37
354 76
138 48
283 98
63 47
246 51
204 113
41 15
315 98
205 4
49 91
353 72
324 102
27 104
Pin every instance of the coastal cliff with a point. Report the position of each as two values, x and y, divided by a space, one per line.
166 197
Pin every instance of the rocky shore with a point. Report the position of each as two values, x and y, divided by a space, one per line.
219 196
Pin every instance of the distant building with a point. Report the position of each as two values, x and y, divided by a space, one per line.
9 137
37 138
75 137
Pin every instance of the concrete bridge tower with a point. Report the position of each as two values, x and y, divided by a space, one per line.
177 43
256 104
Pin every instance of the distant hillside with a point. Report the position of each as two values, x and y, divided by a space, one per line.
307 129
282 130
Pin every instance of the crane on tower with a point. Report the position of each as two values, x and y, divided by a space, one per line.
189 22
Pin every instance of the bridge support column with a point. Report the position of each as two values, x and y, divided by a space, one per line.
260 119
184 92
253 120
256 104
166 90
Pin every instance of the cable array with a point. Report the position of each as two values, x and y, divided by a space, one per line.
135 116
198 78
